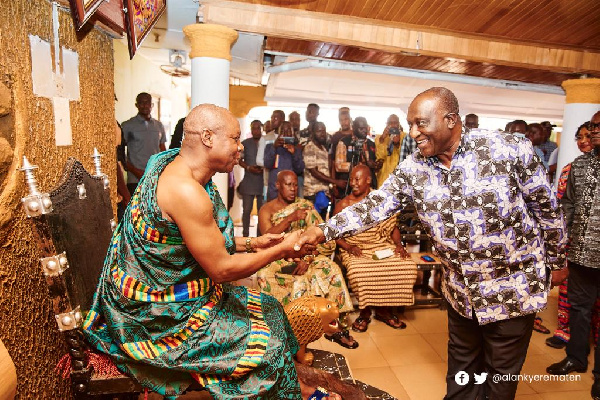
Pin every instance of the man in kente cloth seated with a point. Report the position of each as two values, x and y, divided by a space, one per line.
314 275
163 310
385 284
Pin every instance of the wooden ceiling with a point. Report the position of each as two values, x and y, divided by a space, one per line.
546 22
436 64
534 41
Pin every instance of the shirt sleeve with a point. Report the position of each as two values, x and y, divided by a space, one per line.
542 204
269 156
260 153
381 148
567 202
378 206
298 161
163 135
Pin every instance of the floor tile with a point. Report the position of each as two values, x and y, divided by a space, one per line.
406 350
366 355
423 381
427 319
382 378
439 342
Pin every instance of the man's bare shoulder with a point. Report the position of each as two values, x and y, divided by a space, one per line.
178 193
269 207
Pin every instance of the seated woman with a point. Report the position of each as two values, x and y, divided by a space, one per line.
314 275
379 283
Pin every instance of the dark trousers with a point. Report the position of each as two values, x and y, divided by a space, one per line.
496 348
582 292
247 202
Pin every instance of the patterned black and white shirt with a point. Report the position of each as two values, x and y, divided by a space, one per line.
581 205
493 218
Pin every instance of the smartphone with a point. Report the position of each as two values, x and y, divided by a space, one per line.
427 258
289 140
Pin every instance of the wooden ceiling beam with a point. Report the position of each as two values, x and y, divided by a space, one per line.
374 34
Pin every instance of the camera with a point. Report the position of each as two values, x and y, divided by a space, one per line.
394 131
289 140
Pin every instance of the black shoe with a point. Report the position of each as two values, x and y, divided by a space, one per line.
596 389
565 366
556 342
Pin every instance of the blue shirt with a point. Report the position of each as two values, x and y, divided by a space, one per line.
279 159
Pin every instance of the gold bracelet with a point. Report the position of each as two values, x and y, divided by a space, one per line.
249 248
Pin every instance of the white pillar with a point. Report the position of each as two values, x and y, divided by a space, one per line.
210 81
211 57
583 101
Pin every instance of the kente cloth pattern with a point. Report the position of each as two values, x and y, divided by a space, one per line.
564 307
386 282
582 210
493 218
165 322
323 277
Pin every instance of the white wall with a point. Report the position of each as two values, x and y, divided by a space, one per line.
142 75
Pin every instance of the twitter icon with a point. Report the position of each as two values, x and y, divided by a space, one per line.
479 379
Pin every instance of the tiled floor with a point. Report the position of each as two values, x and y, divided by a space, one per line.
411 363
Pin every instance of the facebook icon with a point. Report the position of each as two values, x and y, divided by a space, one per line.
461 378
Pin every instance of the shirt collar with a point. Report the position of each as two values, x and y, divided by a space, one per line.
462 147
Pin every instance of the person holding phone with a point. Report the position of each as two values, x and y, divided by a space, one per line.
283 154
387 146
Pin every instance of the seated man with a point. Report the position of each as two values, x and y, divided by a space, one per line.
316 276
163 310
382 284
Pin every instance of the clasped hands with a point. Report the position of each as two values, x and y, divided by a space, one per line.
295 245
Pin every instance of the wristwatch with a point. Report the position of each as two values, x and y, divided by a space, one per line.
249 248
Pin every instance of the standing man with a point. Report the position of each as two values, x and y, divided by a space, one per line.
353 150
316 172
547 146
311 115
581 205
294 118
472 121
252 184
277 118
388 147
495 224
143 136
283 154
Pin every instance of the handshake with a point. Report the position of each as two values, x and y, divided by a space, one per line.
294 245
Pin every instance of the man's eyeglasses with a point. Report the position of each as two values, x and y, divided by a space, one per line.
592 126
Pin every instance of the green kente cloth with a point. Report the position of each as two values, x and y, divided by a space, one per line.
163 321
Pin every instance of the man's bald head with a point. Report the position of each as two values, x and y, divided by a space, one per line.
445 98
207 117
361 167
281 175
